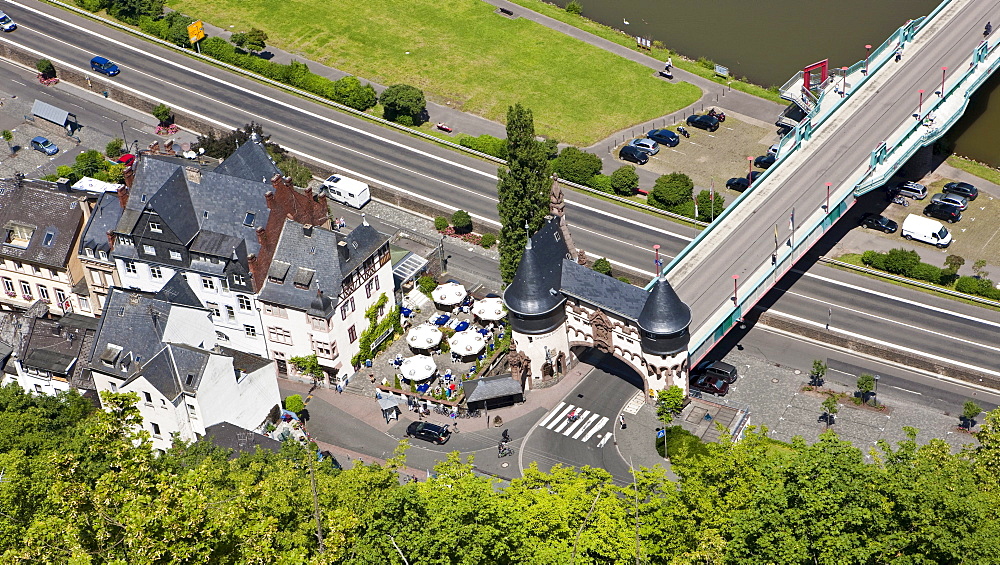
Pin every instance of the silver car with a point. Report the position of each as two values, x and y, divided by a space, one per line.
646 145
6 23
955 200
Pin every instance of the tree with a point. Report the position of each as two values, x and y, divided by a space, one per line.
669 403
404 104
115 148
89 163
294 403
969 411
817 373
350 92
625 181
129 11
163 113
830 409
427 284
671 190
45 68
977 268
954 263
710 206
602 266
8 136
602 183
308 365
522 189
866 384
462 221
253 41
576 166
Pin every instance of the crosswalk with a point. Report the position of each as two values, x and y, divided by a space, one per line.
587 426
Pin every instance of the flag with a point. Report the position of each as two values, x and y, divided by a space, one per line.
791 220
695 207
711 191
775 235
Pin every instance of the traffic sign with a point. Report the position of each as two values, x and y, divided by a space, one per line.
196 31
661 433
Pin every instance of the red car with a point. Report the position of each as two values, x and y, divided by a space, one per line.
710 384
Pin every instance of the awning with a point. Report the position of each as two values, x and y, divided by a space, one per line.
489 388
51 113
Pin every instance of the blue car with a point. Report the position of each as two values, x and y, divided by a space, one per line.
664 137
104 66
44 145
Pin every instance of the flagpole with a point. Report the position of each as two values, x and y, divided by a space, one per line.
711 198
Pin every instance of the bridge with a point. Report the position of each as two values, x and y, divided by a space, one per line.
863 122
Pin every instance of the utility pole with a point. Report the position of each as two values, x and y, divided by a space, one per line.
319 527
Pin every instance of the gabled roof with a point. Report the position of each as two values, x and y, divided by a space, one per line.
231 436
104 217
52 217
249 162
177 291
535 288
601 290
173 204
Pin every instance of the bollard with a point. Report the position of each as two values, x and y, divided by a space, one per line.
105 93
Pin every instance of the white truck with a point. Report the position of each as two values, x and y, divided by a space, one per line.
353 193
926 230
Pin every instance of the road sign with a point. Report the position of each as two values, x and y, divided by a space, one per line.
661 433
721 71
196 32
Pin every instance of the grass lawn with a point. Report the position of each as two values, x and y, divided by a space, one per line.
975 168
462 52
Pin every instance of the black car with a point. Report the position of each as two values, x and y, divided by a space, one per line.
739 184
428 432
710 384
664 137
942 211
719 369
765 161
633 154
706 122
962 189
879 222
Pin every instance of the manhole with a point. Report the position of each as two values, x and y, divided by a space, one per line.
798 372
505 465
774 380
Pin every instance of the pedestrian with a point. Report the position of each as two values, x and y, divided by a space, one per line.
670 65
340 389
371 376
621 420
899 52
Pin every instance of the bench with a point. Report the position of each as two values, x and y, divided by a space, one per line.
506 12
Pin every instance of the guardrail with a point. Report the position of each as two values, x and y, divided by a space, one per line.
911 282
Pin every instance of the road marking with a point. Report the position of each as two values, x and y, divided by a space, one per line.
562 414
905 390
635 403
576 423
551 414
605 439
586 425
595 429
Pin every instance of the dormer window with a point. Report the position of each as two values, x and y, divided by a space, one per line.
103 255
248 219
88 252
155 227
18 235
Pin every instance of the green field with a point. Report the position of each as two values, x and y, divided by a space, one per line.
459 51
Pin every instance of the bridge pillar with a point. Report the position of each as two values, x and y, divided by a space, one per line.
920 164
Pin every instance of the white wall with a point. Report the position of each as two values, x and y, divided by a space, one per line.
245 403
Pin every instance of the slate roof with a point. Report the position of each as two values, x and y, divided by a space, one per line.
539 272
314 262
129 323
664 313
491 387
54 345
247 362
601 290
177 291
231 436
45 209
249 162
104 217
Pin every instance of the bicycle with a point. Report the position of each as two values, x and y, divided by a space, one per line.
505 451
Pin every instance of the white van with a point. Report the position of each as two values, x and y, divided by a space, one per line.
352 192
926 230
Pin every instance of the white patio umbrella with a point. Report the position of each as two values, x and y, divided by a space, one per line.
489 309
424 336
469 342
417 368
449 294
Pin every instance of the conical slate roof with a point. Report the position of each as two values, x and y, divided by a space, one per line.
535 289
664 313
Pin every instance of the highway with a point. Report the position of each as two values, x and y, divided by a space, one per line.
385 157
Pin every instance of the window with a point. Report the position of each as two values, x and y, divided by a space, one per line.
43 292
36 270
240 280
129 267
38 389
214 308
248 219
155 227
190 379
26 290
61 298
155 272
208 283
368 288
279 335
84 303
114 387
352 304
97 277
276 311
250 331
18 266
230 313
148 397
175 255
343 311
322 349
352 334
148 249
243 301
88 252
376 283
125 240
156 429
103 255
19 236
8 286
192 411
225 284
318 324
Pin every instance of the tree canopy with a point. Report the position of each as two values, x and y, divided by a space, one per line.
404 104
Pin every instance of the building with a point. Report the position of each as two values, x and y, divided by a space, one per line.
41 226
94 251
47 353
318 288
163 347
217 227
558 306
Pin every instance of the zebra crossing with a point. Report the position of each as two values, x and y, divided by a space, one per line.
583 428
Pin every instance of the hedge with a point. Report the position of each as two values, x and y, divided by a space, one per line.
902 262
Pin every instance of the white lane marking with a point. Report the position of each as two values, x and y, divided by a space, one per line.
898 299
899 347
586 425
576 423
595 429
842 308
605 439
561 418
551 414
565 422
905 390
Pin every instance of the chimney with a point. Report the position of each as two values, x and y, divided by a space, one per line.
193 174
111 240
123 196
269 197
261 237
345 252
307 230
130 174
85 208
279 182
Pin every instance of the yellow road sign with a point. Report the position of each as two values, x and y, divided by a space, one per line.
196 31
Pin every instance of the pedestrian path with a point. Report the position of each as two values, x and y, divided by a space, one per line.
583 428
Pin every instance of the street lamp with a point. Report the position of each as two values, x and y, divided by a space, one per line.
843 91
122 124
920 106
735 299
749 170
944 71
868 51
876 390
827 207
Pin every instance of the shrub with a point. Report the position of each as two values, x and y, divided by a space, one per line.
162 112
427 284
293 403
873 259
601 182
602 266
92 5
625 279
488 240
350 92
462 221
574 7
710 206
926 272
67 172
115 148
576 166
402 100
485 144
972 285
407 121
625 181
901 261
671 190
440 223
254 40
46 68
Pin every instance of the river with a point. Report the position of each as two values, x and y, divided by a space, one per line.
768 42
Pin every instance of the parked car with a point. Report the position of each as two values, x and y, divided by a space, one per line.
104 66
664 137
44 145
633 154
962 189
647 146
710 384
765 161
879 222
428 432
943 211
908 189
706 122
739 184
6 23
926 230
720 369
955 200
